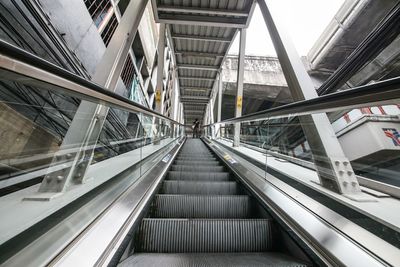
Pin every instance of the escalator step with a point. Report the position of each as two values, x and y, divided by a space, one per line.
199 188
192 168
204 162
201 206
194 151
195 158
266 259
203 176
204 235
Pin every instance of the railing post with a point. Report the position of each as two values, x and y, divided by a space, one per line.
239 86
333 168
89 118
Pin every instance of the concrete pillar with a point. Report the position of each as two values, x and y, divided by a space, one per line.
334 169
87 124
175 96
239 86
160 70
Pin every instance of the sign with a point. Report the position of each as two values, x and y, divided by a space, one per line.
239 101
393 134
158 95
229 159
166 158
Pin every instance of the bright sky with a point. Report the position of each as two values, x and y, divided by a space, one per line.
305 20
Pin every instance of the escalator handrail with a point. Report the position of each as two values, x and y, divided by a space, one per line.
17 60
380 93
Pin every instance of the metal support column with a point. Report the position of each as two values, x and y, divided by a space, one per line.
212 128
88 121
334 169
219 105
212 112
219 109
239 86
160 70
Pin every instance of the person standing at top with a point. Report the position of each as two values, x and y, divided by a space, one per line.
196 128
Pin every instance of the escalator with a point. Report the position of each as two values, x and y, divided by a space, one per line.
202 216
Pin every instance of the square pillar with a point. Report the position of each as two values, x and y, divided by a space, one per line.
334 169
239 86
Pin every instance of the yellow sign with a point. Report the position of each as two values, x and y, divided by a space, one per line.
158 95
239 102
227 157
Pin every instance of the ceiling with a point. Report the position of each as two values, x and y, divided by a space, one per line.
201 32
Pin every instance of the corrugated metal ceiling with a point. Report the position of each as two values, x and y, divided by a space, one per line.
202 32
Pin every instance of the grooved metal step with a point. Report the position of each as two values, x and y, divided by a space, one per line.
200 219
194 153
201 206
203 176
204 162
192 158
266 259
204 235
199 188
191 168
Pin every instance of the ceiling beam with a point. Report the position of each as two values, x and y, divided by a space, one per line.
201 38
198 67
186 104
206 11
190 93
194 101
194 111
195 88
191 116
195 98
189 113
199 54
195 20
196 78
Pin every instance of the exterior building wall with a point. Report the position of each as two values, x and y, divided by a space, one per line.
20 137
149 35
72 19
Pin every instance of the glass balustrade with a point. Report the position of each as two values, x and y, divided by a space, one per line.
37 138
369 138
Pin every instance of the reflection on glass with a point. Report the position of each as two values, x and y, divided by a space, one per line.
370 139
35 119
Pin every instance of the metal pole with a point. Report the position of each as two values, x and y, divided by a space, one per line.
333 168
88 121
212 129
239 85
219 96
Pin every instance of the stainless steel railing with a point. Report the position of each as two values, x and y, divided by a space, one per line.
21 63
